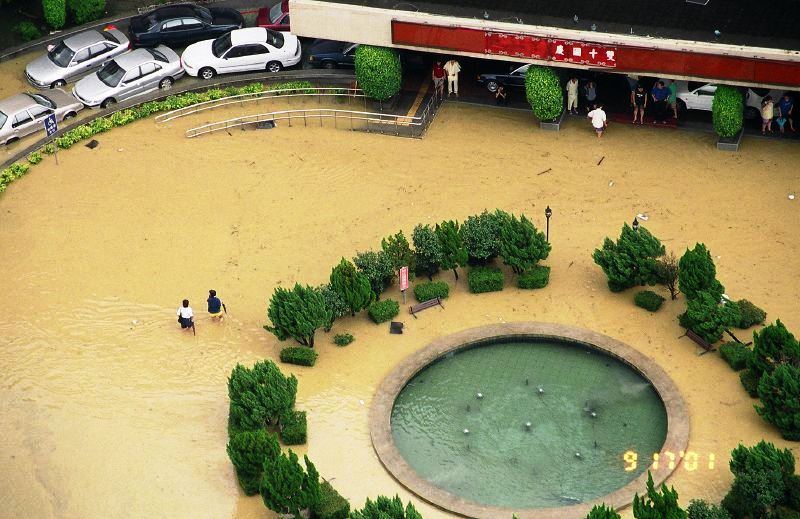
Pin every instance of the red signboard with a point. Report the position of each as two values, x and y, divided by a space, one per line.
403 278
516 45
584 53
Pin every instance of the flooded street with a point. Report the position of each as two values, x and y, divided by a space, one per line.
109 410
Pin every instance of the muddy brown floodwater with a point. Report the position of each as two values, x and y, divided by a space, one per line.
109 410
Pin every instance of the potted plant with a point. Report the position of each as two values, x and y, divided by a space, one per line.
543 91
728 114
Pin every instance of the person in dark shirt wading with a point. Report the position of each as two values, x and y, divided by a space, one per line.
215 306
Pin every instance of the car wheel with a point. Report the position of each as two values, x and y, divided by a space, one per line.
207 73
165 84
108 102
329 65
58 84
70 115
11 140
492 86
681 106
751 112
274 66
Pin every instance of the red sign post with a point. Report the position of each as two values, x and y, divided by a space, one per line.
404 282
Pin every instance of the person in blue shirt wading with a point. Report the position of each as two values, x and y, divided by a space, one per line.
660 95
215 306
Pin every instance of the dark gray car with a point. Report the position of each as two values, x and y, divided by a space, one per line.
76 56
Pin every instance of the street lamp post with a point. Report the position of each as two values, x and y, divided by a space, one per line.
547 214
635 224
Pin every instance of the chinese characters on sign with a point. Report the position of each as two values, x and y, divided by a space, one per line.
567 51
583 53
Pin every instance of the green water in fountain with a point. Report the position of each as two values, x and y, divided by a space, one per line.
501 462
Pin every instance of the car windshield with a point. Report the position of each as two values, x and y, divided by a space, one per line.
221 45
111 74
275 39
3 119
158 55
204 13
275 13
61 55
42 100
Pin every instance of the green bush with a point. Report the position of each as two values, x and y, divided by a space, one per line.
302 356
248 451
697 273
543 91
602 512
760 474
657 504
793 492
784 512
537 277
727 111
749 380
431 290
699 509
481 236
631 260
259 396
343 339
385 508
779 392
27 31
55 13
485 279
287 488
399 251
331 504
454 253
378 71
735 354
648 300
297 313
11 173
772 346
84 11
35 158
708 318
334 303
382 311
428 254
294 428
521 245
750 314
377 266
352 285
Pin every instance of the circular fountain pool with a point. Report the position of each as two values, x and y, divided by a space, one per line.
525 417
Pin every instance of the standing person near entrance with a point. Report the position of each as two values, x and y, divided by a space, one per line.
215 306
660 95
639 102
590 92
598 117
672 100
438 75
786 107
186 316
452 68
767 113
572 95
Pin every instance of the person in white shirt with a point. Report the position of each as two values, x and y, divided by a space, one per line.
452 68
598 117
186 316
572 95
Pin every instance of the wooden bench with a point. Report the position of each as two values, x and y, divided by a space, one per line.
700 341
430 303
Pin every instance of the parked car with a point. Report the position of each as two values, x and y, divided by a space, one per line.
275 18
332 54
76 56
132 74
697 95
254 48
514 79
23 114
181 24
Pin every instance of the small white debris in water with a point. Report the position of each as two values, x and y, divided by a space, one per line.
641 216
120 149
480 395
718 257
791 197
577 454
594 415
135 322
361 402
611 183
466 431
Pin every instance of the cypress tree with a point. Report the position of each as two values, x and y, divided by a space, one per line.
248 451
602 512
454 254
772 346
657 505
521 245
399 251
282 485
707 317
697 273
352 285
631 260
259 396
779 392
378 268
298 313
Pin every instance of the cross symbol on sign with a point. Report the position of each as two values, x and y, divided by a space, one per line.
593 53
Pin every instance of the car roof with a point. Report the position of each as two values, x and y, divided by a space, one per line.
173 11
14 104
249 35
133 58
82 39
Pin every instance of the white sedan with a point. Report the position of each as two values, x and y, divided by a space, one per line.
241 50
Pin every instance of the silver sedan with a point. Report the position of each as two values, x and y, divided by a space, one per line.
132 74
76 56
23 114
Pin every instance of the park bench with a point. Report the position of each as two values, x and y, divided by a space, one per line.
430 303
700 341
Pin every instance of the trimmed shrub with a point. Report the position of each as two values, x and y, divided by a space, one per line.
27 31
331 504
428 253
779 392
301 356
485 279
543 90
648 300
481 236
735 354
248 450
55 13
657 504
259 396
631 260
297 313
749 380
377 266
378 71
294 428
385 508
697 273
521 245
84 11
454 254
699 509
750 314
431 290
382 311
343 339
352 286
759 485
727 111
537 277
35 158
707 317
602 512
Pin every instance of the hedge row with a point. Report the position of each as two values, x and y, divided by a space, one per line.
735 354
431 290
648 300
485 279
301 356
537 277
382 311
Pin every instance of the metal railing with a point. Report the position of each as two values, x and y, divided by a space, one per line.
349 93
400 125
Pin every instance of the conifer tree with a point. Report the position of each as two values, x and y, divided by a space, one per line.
602 512
298 313
779 392
697 273
282 487
454 254
772 346
352 285
248 450
707 317
259 396
521 245
657 505
631 260
399 251
427 250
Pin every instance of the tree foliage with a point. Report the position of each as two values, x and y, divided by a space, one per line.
697 273
378 71
779 392
727 111
352 286
399 251
335 304
288 489
259 396
661 504
385 508
708 318
427 250
543 90
772 346
248 451
481 236
55 13
378 268
84 11
454 254
699 509
521 245
760 475
631 260
298 313
602 512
